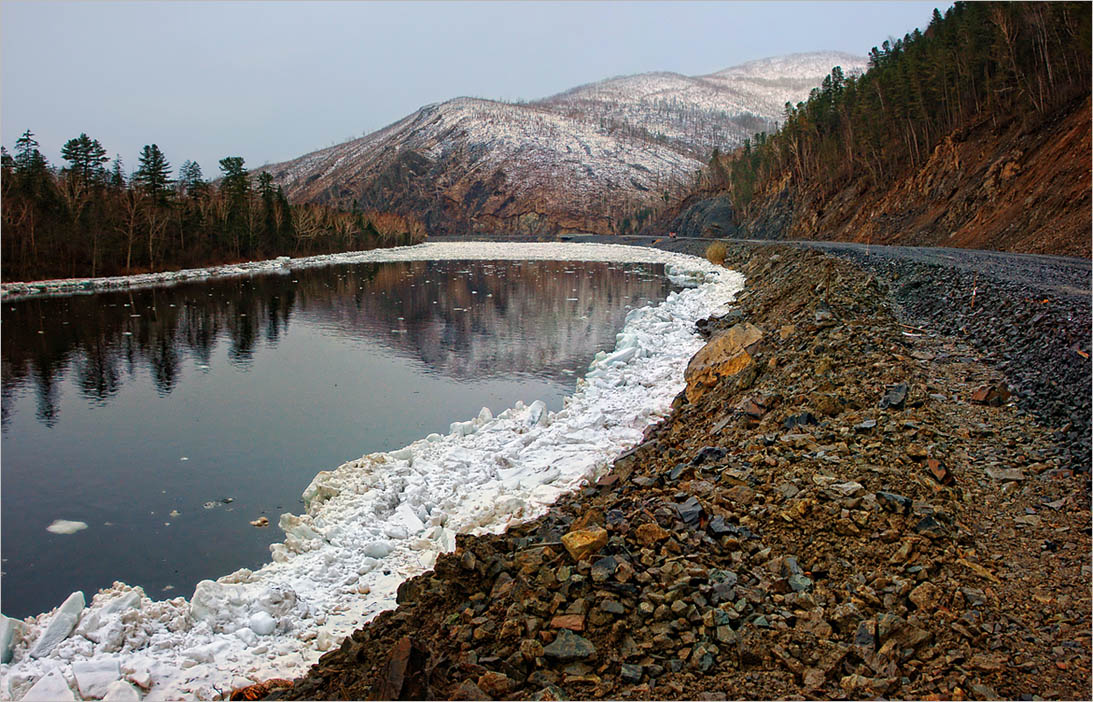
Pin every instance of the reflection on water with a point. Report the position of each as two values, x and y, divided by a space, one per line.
131 411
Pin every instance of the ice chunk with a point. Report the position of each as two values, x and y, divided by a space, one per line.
121 691
262 623
403 454
462 428
94 677
536 413
320 489
51 688
484 415
301 527
65 526
9 628
60 626
406 517
376 549
97 620
620 356
227 607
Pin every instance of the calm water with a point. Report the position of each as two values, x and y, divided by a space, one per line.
168 419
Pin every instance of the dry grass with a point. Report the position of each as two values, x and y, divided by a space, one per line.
716 252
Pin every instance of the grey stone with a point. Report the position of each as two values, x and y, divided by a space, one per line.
799 582
894 503
630 673
569 647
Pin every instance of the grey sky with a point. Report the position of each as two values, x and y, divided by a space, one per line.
270 81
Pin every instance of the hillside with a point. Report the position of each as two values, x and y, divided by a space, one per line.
974 133
596 159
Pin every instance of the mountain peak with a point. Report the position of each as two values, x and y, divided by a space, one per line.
598 158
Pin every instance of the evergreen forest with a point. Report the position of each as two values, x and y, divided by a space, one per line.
978 61
89 219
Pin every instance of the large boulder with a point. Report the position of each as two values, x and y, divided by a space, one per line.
727 355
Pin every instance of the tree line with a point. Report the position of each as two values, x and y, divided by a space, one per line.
980 61
88 218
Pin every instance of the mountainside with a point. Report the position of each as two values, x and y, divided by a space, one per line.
597 159
973 133
995 184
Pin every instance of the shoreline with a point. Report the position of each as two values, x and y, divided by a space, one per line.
851 517
223 621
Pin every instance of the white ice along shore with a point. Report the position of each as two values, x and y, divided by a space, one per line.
376 521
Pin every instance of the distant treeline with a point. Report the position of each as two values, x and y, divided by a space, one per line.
980 61
86 219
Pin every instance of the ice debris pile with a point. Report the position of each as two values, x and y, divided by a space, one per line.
371 523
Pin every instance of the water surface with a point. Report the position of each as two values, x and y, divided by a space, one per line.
167 419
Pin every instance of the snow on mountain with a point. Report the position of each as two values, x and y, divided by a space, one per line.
596 158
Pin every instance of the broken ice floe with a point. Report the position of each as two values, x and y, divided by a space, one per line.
65 526
373 522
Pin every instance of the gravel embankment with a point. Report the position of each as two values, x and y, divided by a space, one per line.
1026 315
843 504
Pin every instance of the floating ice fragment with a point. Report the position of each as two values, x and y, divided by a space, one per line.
65 526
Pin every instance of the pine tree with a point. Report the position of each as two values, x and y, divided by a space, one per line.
87 157
265 186
153 174
191 180
28 160
116 178
235 182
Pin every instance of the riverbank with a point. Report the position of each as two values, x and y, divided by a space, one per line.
373 522
843 503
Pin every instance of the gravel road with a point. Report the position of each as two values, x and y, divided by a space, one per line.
1026 315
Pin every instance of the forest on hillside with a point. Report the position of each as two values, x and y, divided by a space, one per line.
980 60
86 219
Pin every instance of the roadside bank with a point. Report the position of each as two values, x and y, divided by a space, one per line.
842 504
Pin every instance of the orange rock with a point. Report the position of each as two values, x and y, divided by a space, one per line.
726 355
649 534
573 622
584 542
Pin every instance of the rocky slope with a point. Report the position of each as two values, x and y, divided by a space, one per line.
1001 182
588 160
841 505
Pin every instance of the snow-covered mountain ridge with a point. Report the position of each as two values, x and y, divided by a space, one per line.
594 159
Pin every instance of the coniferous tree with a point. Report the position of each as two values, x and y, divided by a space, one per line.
28 160
191 180
153 174
116 179
87 157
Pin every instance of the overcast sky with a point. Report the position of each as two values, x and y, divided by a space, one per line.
270 81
